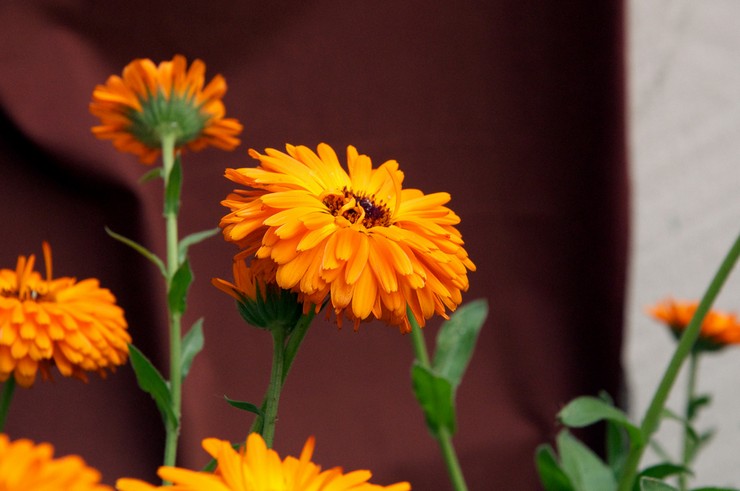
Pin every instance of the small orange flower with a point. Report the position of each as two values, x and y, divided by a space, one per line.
717 330
135 110
28 467
355 238
76 326
258 468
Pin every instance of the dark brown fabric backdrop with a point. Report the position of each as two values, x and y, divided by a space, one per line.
515 108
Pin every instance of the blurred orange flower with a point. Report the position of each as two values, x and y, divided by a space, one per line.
258 468
76 326
717 330
135 110
28 467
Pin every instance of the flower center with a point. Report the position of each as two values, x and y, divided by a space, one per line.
160 114
358 207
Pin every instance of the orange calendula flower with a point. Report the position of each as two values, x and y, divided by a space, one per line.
76 326
258 468
262 303
356 237
25 466
149 100
717 330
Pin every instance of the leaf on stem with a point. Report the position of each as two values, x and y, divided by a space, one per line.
586 410
661 471
586 471
649 484
140 249
173 189
178 290
435 396
245 406
151 175
192 344
193 239
696 404
152 382
551 475
456 341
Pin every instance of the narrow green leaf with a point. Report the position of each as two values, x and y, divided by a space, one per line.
178 291
663 470
586 410
696 404
193 239
650 484
245 406
714 488
140 249
174 187
586 471
434 394
551 475
152 382
151 175
192 344
456 340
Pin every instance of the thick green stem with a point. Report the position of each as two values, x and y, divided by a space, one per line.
689 415
276 385
174 318
5 400
652 416
444 439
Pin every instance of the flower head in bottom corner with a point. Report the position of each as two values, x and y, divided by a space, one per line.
258 468
73 325
718 329
25 466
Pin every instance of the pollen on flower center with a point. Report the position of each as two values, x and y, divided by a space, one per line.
357 207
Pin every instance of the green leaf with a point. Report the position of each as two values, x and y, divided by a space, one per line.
456 340
192 344
663 470
152 382
151 175
586 410
178 291
434 394
245 406
586 471
193 239
140 249
173 189
696 404
714 488
551 475
650 484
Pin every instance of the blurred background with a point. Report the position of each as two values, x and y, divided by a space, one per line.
683 129
517 109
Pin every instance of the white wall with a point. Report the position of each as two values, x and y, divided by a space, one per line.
684 86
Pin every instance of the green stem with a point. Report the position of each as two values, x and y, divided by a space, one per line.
5 400
291 349
683 349
444 438
689 414
276 385
174 318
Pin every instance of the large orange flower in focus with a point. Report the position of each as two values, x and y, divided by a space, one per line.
356 237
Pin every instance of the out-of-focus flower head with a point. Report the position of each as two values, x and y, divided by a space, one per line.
25 466
148 100
257 468
717 330
357 238
76 326
262 303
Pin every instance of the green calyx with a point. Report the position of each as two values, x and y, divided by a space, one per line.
161 115
275 308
